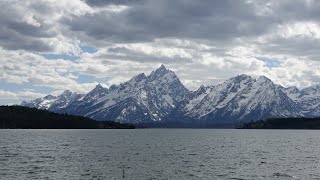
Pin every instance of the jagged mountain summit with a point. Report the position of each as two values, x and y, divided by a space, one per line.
242 98
54 103
161 97
141 99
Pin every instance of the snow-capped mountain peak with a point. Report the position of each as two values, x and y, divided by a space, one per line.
98 88
50 97
160 96
95 93
140 77
162 72
41 103
264 79
66 93
141 98
135 81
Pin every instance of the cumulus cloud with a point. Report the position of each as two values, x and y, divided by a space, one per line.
204 42
147 20
27 68
7 95
34 25
14 97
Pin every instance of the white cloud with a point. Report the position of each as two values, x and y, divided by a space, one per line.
7 95
306 29
204 42
20 67
34 25
19 95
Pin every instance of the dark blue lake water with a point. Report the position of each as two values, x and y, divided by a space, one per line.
159 154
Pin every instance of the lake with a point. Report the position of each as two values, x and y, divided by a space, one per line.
160 154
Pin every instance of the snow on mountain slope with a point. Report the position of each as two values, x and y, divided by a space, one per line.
79 105
63 100
262 99
216 96
309 98
40 103
54 103
292 92
95 93
243 98
161 96
142 98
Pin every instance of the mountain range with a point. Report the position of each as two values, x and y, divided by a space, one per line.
161 98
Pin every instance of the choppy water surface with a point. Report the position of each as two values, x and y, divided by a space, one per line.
159 154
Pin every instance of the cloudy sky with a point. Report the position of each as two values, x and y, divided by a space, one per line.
47 46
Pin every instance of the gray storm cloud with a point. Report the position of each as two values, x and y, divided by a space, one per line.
204 42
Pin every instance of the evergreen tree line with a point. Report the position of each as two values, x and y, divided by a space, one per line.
284 123
20 117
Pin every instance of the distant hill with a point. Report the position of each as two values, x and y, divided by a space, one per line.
19 117
284 123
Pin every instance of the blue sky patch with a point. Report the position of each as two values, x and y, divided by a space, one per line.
20 87
65 56
270 62
89 79
88 49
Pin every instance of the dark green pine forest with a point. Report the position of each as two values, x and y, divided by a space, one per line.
19 117
284 123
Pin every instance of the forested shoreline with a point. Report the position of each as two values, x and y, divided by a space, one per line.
20 117
283 123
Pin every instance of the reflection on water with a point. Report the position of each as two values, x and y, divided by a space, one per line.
159 154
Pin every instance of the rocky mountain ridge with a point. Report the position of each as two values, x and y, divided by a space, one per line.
161 97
